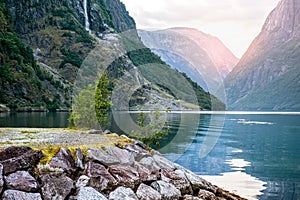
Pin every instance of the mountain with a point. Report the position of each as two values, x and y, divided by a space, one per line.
50 49
201 56
268 75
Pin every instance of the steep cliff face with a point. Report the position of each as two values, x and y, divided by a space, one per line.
64 34
201 56
267 76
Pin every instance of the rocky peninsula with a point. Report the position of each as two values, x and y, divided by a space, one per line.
85 168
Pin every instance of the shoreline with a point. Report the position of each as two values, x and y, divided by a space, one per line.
126 160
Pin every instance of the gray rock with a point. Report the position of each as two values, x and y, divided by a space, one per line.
56 186
125 175
1 178
204 194
94 131
99 176
145 174
13 151
21 180
164 163
25 161
19 195
140 144
64 160
122 193
82 181
178 180
137 151
102 157
107 132
190 197
150 164
124 156
80 157
197 182
145 192
167 190
89 193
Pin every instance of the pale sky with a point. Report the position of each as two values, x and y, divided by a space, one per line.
235 22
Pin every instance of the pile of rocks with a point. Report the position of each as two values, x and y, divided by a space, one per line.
129 172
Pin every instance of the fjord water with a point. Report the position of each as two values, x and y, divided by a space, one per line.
255 155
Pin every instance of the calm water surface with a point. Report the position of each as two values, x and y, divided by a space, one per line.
256 155
251 152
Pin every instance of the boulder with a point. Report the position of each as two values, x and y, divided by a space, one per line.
79 156
103 157
15 195
90 194
151 165
122 193
125 175
13 151
164 163
137 151
190 197
145 192
56 186
124 156
21 180
95 131
1 178
99 176
178 180
82 181
166 190
145 174
204 194
197 182
140 144
64 160
22 162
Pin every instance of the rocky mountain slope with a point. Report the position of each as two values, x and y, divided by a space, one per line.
201 56
63 36
268 75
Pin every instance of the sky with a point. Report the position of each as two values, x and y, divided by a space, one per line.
235 22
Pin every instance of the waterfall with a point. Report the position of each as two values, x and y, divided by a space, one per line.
86 16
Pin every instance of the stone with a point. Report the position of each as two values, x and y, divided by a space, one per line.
21 180
56 186
204 194
16 195
13 151
1 178
107 132
140 144
90 194
190 197
197 182
64 160
151 165
145 174
145 192
164 163
22 162
223 194
79 156
122 193
178 180
99 176
137 151
124 156
94 131
167 190
82 181
102 157
125 175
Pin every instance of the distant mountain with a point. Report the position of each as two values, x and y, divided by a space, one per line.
47 45
268 75
192 52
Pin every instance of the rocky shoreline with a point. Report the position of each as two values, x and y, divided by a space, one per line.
112 172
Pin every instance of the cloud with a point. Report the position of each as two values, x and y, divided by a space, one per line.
226 19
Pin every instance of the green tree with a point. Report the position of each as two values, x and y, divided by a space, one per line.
103 101
91 106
